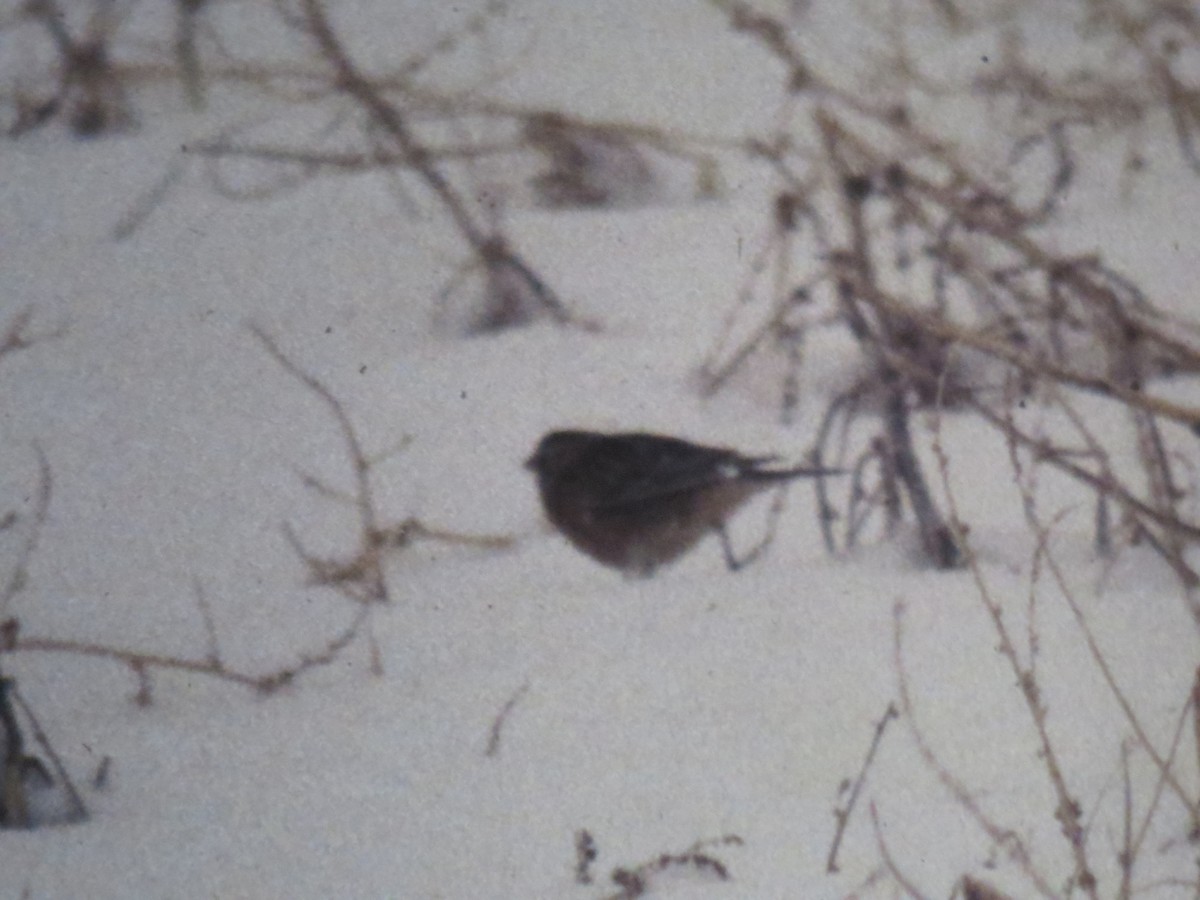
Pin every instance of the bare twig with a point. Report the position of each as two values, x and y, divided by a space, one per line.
1127 858
142 663
843 815
637 881
19 575
80 811
491 248
369 530
901 879
210 628
1000 836
493 745
1068 811
1052 565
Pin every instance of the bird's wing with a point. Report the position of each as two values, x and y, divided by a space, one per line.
639 470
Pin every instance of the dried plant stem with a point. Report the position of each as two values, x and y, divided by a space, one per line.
39 735
1068 812
889 862
493 745
1051 564
491 248
19 575
1000 836
880 339
368 518
843 815
143 663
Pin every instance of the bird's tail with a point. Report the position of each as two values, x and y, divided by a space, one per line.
794 472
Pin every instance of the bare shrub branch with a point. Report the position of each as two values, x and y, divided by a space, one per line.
1001 836
1068 811
361 577
942 273
90 93
530 293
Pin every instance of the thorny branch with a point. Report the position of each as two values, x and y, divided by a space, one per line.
984 287
491 248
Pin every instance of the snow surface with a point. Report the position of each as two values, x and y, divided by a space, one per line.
650 713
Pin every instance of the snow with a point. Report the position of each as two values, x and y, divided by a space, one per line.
525 693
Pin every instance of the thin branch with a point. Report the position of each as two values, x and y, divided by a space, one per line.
210 628
491 248
901 879
1000 836
1067 812
493 746
39 735
143 663
843 815
19 576
364 503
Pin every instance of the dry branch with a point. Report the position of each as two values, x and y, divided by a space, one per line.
490 247
842 815
974 284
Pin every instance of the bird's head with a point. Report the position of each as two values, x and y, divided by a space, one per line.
558 450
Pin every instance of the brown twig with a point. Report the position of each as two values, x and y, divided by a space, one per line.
889 862
1068 811
80 810
368 518
635 882
19 575
843 815
491 248
142 663
493 745
1042 530
1000 836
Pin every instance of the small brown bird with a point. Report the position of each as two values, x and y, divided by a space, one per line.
637 501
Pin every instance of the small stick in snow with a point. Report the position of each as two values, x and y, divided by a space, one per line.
493 746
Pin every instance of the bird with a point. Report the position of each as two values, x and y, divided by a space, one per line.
636 501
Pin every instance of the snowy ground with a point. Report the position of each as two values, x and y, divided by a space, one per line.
526 693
